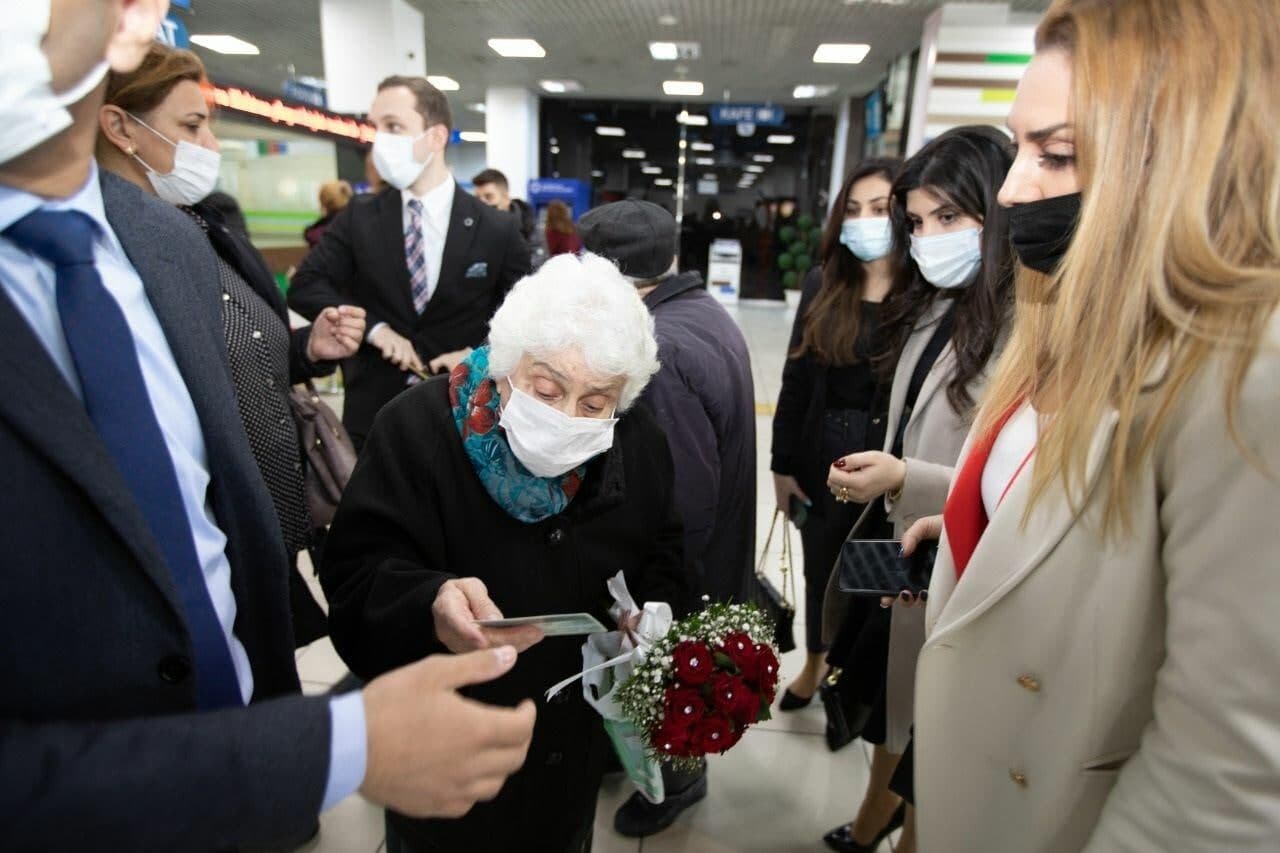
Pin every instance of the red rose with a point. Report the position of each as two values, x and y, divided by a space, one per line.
684 705
739 649
747 710
735 735
713 733
481 420
726 692
766 680
693 662
456 380
671 738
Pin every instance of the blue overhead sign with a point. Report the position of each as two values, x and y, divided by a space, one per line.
173 32
747 114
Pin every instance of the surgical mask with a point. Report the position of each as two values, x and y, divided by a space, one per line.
393 158
546 440
948 261
194 175
1041 231
868 239
30 111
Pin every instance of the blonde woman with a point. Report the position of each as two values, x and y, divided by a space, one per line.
1103 638
334 196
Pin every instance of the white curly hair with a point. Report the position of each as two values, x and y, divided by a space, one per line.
582 303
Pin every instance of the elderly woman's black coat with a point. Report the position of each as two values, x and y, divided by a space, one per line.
415 515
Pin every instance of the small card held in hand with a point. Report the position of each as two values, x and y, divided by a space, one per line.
553 625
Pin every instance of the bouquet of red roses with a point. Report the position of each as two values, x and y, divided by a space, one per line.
701 686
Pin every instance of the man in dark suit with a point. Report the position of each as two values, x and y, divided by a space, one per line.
148 694
428 262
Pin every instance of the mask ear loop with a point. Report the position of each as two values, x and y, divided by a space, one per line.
133 153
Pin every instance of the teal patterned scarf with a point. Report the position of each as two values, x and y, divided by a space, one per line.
525 496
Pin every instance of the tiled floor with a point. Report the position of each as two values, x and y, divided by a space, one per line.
778 790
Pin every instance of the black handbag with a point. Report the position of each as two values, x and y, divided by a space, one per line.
330 455
772 600
846 717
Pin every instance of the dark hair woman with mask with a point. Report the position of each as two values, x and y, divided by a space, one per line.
947 317
828 405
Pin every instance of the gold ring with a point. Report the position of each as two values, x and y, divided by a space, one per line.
842 495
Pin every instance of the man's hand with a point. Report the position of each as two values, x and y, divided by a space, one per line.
458 605
786 487
447 362
432 753
396 349
866 476
336 333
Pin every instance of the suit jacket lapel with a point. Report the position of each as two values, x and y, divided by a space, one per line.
912 350
390 225
457 245
1009 551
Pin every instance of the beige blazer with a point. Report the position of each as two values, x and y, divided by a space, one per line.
1116 696
934 436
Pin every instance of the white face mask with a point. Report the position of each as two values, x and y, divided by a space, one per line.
30 111
393 158
948 261
194 175
546 440
868 239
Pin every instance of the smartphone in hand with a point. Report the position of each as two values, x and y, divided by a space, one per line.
878 568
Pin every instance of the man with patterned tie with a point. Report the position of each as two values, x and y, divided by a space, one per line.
427 261
149 698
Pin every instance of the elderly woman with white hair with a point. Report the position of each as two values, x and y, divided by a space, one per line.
516 487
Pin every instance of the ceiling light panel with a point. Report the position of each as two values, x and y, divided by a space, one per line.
682 88
692 119
652 170
633 153
705 161
229 45
762 158
780 139
473 136
444 84
841 54
664 51
756 169
606 130
811 90
702 146
559 87
517 48
662 182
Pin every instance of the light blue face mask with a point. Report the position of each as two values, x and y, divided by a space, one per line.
868 239
948 261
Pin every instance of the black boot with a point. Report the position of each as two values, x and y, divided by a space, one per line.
638 817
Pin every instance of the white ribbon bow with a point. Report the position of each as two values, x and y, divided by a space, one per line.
655 621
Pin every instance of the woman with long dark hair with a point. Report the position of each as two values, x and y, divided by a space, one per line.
829 405
946 319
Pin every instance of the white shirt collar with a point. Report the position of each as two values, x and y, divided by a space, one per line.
437 203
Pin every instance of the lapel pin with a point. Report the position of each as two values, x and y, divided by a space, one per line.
468 222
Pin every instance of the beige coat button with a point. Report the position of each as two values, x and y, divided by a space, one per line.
1026 682
1019 779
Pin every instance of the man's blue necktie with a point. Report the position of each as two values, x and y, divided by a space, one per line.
116 398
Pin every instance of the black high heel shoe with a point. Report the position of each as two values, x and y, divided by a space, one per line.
791 702
841 838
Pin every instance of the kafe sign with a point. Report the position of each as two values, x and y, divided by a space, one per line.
733 114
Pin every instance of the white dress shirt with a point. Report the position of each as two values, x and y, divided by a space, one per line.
30 283
437 207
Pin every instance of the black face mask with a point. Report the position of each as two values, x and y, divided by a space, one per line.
1041 230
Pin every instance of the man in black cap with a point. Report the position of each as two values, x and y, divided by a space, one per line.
704 399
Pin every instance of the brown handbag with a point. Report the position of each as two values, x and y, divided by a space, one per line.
330 455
